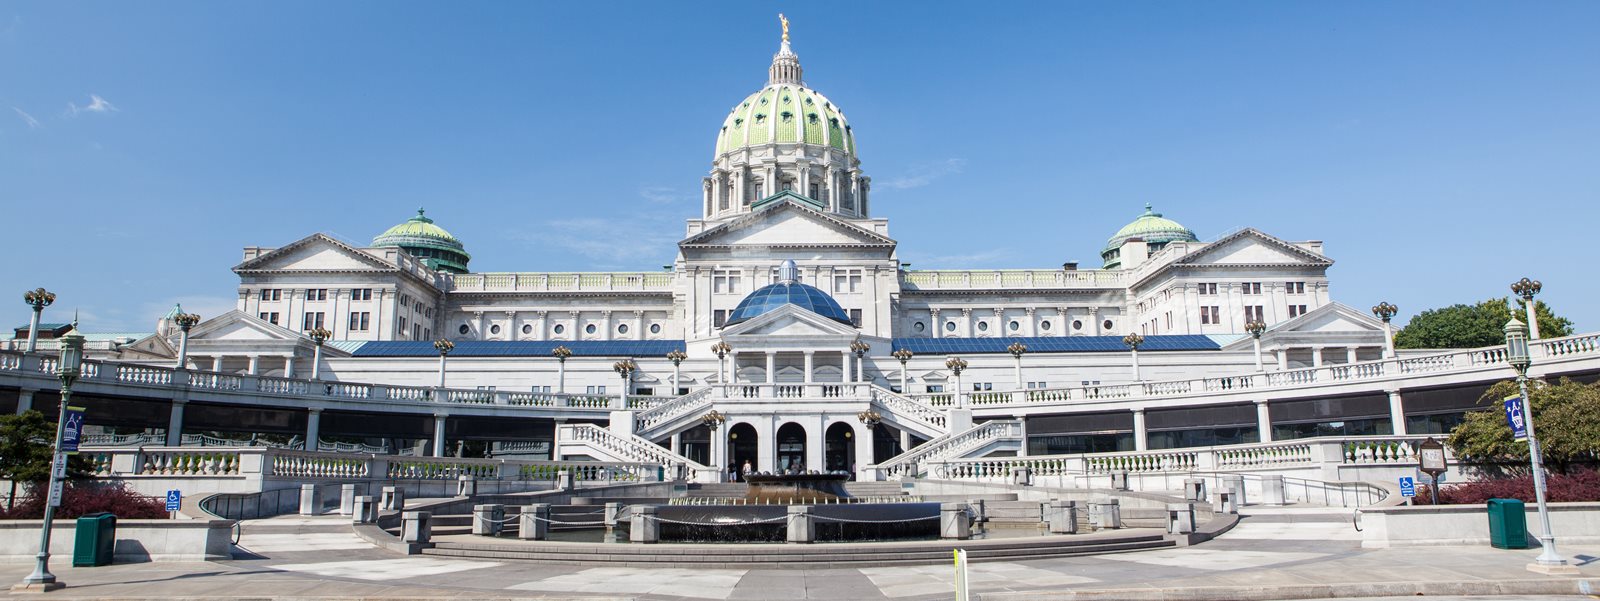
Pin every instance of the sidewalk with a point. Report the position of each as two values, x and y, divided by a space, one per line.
1272 555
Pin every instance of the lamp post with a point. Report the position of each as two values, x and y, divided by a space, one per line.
1386 311
904 355
319 336
185 321
712 421
38 299
1133 341
676 357
860 348
624 368
956 365
444 347
67 369
870 418
722 349
1017 350
1526 288
561 353
1517 356
1255 328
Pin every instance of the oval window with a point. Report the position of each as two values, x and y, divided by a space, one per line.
622 328
560 329
919 326
1077 324
949 326
655 328
983 326
527 328
494 329
588 329
1106 324
1014 325
464 329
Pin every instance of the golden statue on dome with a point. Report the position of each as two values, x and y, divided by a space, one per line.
785 22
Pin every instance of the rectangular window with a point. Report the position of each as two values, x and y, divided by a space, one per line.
1295 287
316 294
271 294
855 317
427 333
402 326
359 321
726 281
936 388
1255 313
361 294
313 320
416 332
846 281
719 317
1211 315
596 389
1297 310
1251 287
270 317
1208 288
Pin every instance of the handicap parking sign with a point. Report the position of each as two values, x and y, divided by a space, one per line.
1408 487
174 500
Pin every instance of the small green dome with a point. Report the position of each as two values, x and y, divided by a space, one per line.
785 112
424 240
1154 229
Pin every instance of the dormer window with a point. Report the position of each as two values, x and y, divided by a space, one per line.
812 117
760 117
787 116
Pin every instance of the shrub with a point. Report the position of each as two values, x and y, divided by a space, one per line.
79 498
1582 485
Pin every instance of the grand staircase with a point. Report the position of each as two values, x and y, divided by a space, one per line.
977 441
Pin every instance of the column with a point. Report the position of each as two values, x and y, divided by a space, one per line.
1316 356
905 441
438 434
1397 413
1094 321
1140 433
772 364
255 365
314 429
848 370
175 424
863 448
1349 354
766 444
24 401
216 364
1263 421
288 366
816 442
511 324
1283 358
675 443
810 363
933 322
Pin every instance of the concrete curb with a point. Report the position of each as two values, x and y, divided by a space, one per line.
1547 586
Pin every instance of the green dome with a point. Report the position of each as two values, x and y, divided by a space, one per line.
424 240
785 112
1154 229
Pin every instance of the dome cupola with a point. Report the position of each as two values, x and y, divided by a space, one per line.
1155 230
420 238
788 291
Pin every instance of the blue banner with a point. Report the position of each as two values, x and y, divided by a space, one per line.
72 430
1516 419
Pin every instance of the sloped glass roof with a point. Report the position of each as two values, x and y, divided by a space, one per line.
770 297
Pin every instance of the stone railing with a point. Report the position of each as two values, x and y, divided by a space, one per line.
901 409
1457 360
829 390
1009 278
650 281
906 464
645 422
608 445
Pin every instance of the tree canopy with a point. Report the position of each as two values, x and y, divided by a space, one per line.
1566 418
1472 326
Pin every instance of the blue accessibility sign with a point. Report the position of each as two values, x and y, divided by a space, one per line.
174 500
1408 486
1515 418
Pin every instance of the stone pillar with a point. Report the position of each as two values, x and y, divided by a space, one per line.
466 486
1061 517
1272 492
1349 354
1263 421
1283 358
1227 502
1119 480
288 366
363 510
416 527
1397 413
309 501
561 376
487 518
394 498
347 498
1194 489
438 435
772 365
645 528
534 522
255 365
766 445
611 514
1180 518
864 447
675 443
953 522
1234 485
1105 514
1022 476
802 526
1140 433
1316 356
175 424
810 365
24 401
313 429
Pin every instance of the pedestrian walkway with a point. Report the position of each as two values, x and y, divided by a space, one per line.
1270 555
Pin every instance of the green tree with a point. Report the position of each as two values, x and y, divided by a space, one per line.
25 451
1472 326
1566 419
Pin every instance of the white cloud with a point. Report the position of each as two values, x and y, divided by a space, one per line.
32 123
96 105
663 194
924 174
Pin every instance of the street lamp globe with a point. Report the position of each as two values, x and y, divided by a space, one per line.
1017 349
1517 346
956 364
859 347
319 335
677 356
444 346
39 298
186 320
70 363
1133 340
722 348
1385 311
904 355
1526 288
1255 328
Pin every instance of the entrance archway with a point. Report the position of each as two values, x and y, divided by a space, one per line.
791 448
839 449
742 439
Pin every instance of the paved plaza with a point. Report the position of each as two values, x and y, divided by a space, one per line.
1282 554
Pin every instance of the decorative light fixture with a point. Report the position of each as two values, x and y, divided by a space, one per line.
870 418
1017 349
68 367
1133 340
1519 359
1255 328
444 346
956 364
713 420
1385 311
38 299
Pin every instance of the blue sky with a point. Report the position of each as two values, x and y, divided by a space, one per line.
143 145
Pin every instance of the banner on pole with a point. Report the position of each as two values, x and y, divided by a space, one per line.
71 430
1515 418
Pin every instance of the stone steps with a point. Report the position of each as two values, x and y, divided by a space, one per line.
799 556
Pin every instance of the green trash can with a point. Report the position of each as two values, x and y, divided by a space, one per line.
95 540
1508 524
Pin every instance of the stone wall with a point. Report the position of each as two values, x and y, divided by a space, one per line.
137 540
1469 525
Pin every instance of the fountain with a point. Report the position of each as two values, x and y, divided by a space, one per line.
763 514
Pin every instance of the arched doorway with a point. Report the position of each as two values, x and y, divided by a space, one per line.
742 441
791 448
839 448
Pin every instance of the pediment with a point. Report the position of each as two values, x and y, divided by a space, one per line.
238 326
316 252
936 376
1252 247
1332 317
152 346
787 223
790 321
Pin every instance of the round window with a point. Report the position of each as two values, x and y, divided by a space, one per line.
1014 325
1044 325
1106 324
464 329
919 326
622 328
560 329
655 328
1077 324
949 326
589 329
983 326
494 329
527 328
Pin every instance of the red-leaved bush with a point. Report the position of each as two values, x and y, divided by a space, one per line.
1580 485
79 498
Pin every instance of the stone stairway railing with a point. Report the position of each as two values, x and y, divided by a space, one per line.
601 443
954 446
910 414
657 420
